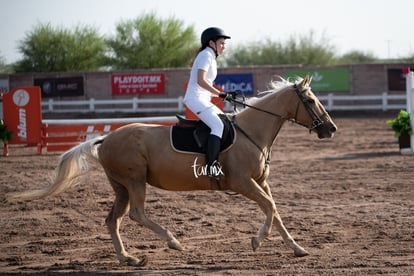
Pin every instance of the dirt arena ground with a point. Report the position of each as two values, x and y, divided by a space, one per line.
349 201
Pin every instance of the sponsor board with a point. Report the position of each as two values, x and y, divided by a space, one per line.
22 114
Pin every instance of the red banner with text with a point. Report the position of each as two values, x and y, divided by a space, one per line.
136 83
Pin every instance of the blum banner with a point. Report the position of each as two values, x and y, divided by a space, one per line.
22 110
130 84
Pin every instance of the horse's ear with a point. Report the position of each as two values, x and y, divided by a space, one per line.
307 80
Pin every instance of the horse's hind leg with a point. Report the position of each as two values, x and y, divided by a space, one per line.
287 238
137 213
113 221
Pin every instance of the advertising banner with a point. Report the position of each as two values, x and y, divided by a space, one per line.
22 114
60 87
130 84
397 79
236 82
4 85
325 80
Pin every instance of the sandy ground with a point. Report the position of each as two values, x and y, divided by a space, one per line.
349 201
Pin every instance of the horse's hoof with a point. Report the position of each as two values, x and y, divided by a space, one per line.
137 262
174 244
300 252
255 243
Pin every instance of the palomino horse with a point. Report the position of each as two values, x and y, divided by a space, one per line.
137 154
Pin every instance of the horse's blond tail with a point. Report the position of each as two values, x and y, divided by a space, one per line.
72 164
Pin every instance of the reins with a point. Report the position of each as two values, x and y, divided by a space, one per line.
244 104
233 121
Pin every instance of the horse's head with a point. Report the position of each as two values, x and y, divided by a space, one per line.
309 111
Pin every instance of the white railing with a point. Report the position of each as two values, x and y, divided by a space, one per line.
332 102
133 105
384 102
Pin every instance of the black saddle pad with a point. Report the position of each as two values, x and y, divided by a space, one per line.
193 139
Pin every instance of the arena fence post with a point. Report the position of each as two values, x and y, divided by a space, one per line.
410 100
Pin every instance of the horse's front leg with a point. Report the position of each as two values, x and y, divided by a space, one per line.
298 250
254 192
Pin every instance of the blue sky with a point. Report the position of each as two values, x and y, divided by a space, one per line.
380 27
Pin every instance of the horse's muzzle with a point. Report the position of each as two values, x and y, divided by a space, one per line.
326 130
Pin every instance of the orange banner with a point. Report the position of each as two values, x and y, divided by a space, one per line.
22 109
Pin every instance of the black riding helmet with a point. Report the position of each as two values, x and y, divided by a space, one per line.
212 33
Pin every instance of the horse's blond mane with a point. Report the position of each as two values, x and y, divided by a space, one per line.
275 86
280 84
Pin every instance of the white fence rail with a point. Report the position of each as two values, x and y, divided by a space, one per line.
133 105
384 102
332 102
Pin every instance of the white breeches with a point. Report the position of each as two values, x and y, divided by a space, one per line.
208 113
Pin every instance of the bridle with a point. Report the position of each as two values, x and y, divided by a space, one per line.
316 120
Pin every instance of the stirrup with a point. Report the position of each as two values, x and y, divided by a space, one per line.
215 169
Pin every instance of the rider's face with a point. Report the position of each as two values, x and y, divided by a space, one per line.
219 45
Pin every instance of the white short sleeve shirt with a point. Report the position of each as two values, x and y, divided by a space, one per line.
205 60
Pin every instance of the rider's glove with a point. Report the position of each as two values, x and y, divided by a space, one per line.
223 95
228 95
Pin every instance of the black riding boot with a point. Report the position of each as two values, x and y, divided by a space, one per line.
214 168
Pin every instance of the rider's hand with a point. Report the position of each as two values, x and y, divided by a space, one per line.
223 95
228 95
233 94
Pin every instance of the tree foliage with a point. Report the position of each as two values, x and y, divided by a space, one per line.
409 58
149 42
4 67
296 50
48 49
356 56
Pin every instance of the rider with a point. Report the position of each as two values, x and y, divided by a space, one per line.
200 90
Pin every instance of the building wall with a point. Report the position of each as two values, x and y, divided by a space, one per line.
369 79
364 79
